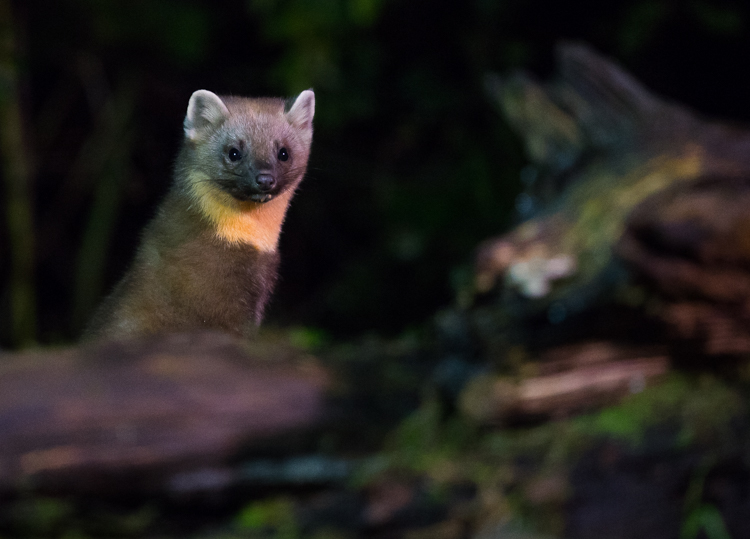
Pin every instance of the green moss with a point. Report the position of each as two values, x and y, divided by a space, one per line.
37 517
308 338
524 470
273 518
416 440
701 408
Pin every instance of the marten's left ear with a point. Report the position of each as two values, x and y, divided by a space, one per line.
302 111
206 111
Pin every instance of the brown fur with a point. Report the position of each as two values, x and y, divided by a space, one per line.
208 260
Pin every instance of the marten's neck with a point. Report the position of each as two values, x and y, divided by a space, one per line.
251 223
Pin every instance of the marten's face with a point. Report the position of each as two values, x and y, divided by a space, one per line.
258 157
249 149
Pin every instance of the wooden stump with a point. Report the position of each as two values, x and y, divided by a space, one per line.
622 179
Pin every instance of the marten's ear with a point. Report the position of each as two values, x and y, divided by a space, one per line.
205 111
302 111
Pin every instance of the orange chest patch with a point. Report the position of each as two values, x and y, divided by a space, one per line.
248 222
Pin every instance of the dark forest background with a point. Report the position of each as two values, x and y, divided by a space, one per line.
412 166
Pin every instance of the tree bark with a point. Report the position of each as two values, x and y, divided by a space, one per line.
129 415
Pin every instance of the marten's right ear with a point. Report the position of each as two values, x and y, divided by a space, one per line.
206 111
302 111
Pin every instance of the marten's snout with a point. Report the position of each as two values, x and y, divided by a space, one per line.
266 182
258 187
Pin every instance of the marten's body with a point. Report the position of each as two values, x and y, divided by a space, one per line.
209 258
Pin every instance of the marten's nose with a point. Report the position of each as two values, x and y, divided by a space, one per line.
265 182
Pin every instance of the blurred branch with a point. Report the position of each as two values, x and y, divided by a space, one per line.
16 168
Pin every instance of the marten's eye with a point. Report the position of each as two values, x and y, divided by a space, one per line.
283 154
234 154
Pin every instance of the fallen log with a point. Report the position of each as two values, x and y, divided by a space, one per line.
588 377
127 415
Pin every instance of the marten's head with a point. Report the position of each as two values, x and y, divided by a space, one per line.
242 154
250 149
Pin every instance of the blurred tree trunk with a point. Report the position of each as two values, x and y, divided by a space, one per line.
108 172
17 173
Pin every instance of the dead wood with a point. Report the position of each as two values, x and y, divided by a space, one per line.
625 176
130 414
580 378
692 247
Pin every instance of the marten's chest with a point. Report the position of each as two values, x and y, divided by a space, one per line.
215 284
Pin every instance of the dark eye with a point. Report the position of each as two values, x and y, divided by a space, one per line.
234 154
283 154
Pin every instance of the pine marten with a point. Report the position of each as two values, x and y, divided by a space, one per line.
208 260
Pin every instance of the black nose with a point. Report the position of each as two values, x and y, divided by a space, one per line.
265 182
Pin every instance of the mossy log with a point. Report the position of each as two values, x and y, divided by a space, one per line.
129 415
624 184
565 381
